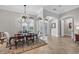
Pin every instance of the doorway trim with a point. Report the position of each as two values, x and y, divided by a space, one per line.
62 29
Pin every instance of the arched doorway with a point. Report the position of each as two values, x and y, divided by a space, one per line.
53 27
42 28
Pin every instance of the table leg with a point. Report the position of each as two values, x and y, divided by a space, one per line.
16 44
2 41
10 43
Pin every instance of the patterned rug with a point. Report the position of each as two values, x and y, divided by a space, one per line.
20 50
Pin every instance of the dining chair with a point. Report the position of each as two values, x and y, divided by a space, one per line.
7 36
19 41
29 39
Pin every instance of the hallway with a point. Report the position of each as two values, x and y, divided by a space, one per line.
57 46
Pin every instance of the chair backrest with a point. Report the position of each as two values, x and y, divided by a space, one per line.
0 35
20 37
6 34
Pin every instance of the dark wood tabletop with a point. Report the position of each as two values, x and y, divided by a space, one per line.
19 36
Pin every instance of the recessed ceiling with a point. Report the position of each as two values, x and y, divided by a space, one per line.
34 9
59 9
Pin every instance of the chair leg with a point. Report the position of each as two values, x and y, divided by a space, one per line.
27 41
33 41
10 45
7 44
16 43
23 42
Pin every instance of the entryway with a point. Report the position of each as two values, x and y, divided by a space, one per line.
67 27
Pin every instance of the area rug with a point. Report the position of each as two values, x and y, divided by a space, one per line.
26 48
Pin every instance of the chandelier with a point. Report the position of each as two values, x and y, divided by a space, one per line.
24 17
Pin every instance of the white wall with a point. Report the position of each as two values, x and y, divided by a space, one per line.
40 13
67 30
52 18
8 21
54 31
74 14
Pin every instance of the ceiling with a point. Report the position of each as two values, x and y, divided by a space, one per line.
59 9
34 9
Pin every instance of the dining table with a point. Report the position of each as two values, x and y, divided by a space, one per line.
29 36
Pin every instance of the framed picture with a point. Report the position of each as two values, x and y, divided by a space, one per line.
53 25
70 25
